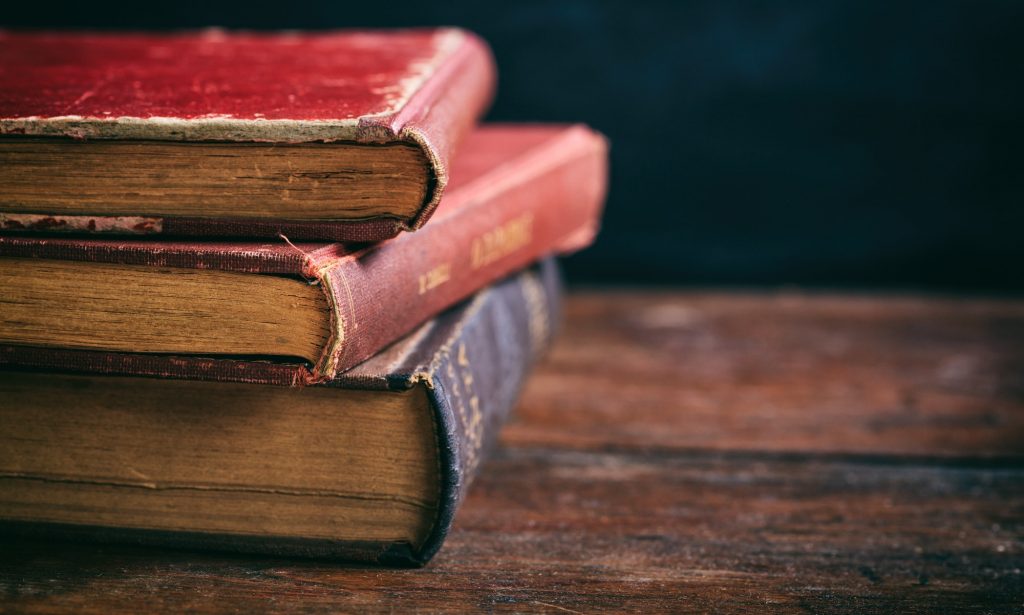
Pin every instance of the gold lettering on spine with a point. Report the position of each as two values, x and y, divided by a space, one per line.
502 241
435 277
537 308
470 414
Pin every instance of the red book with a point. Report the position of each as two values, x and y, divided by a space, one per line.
298 313
330 136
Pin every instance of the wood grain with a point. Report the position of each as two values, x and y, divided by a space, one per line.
683 452
782 372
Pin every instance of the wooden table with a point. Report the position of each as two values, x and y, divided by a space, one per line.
684 451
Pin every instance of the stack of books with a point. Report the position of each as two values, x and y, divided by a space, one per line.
271 293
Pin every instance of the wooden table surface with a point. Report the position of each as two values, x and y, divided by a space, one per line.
682 451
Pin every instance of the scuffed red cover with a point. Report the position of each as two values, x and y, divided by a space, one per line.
519 193
426 87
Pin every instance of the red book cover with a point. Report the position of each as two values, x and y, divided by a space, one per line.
425 88
518 193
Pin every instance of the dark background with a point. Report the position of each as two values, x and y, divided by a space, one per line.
824 142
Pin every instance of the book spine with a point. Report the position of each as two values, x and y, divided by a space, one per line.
441 114
549 204
475 380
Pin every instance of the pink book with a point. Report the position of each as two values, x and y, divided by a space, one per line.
341 136
519 193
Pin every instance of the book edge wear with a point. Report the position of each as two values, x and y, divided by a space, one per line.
472 403
546 201
482 352
435 116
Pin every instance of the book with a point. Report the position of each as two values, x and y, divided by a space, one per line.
370 465
340 136
298 313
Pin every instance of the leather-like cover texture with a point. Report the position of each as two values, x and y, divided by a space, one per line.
526 193
424 87
473 360
476 365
